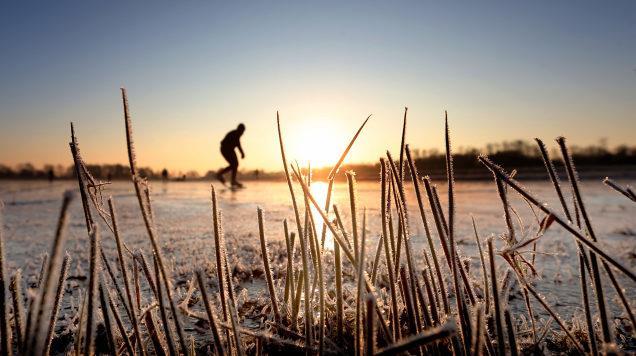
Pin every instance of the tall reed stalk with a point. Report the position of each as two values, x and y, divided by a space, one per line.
512 337
124 275
110 334
113 279
216 336
388 253
427 278
499 331
360 286
459 297
591 333
118 321
289 275
351 180
370 329
301 237
44 298
596 277
322 302
626 191
403 145
554 178
18 308
483 267
268 271
148 221
56 304
339 296
93 282
220 265
415 177
162 311
296 304
479 330
426 337
5 326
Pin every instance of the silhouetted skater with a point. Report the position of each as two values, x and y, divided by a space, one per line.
231 141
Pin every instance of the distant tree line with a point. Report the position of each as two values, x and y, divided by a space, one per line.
519 154
510 154
100 171
108 172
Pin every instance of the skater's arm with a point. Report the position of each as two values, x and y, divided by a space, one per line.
241 150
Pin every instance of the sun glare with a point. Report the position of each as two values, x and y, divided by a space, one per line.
319 192
319 142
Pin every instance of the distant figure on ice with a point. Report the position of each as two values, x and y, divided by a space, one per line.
164 175
231 141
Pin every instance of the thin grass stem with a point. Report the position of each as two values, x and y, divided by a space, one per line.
499 331
56 303
268 271
216 336
370 330
18 309
426 337
162 312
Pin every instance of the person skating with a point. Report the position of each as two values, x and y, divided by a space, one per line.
230 142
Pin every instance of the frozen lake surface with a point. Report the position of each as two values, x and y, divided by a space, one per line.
183 214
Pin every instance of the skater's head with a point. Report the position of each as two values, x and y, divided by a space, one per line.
240 128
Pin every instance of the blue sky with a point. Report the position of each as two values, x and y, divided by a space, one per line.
195 69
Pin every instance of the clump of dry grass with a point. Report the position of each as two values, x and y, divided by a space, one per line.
396 305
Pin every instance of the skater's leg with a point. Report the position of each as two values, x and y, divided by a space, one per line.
220 173
234 171
230 157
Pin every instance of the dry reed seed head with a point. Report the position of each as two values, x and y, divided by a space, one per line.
129 135
402 143
567 156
